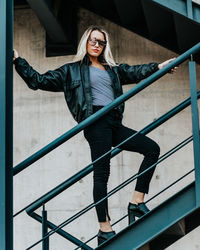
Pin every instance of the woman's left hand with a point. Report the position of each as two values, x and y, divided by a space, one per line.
162 65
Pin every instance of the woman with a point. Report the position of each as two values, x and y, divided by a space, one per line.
92 81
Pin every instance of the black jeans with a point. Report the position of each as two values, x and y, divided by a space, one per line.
108 131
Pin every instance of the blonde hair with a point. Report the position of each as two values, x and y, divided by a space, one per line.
106 55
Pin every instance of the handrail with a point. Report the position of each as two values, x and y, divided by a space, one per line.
125 183
154 196
61 232
82 173
96 116
133 91
88 169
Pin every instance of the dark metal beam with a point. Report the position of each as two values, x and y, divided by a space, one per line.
160 24
6 126
185 8
187 33
48 19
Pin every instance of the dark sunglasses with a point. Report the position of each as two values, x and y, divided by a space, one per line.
100 42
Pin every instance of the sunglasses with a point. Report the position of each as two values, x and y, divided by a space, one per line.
94 41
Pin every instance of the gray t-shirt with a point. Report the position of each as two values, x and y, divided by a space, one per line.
102 91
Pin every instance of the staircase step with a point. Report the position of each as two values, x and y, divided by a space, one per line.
167 238
160 24
180 7
164 22
145 247
177 229
132 16
156 228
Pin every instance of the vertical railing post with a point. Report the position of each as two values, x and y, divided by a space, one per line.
45 243
189 9
195 128
6 125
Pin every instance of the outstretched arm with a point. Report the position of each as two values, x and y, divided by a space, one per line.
133 74
162 65
52 80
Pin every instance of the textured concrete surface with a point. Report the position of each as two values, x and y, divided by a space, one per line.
40 117
196 1
190 242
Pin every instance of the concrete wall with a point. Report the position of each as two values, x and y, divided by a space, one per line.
40 117
196 1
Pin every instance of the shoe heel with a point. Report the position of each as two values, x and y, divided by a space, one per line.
132 216
103 236
138 214
134 212
100 241
131 219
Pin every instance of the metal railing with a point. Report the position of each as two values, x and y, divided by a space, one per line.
58 229
142 85
63 186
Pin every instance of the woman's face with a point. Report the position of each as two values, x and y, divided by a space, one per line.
95 43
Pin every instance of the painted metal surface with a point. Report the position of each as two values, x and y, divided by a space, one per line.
189 9
6 126
195 129
60 231
45 243
186 8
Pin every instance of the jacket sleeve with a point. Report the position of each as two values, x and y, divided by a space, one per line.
52 80
133 74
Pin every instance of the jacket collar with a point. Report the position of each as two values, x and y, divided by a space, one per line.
86 60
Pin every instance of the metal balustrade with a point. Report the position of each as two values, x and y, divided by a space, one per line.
30 209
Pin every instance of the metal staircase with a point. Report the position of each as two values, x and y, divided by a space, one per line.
171 219
165 224
175 25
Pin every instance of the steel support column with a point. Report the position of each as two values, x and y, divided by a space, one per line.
195 128
6 126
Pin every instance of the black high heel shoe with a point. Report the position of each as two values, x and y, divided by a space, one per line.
136 211
103 236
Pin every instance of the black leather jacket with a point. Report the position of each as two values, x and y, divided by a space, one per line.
73 79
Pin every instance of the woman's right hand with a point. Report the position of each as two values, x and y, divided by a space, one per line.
15 54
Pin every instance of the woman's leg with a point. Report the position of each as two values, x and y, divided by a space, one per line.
143 145
99 137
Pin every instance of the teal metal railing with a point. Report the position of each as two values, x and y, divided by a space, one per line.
6 125
195 128
63 186
145 83
59 230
